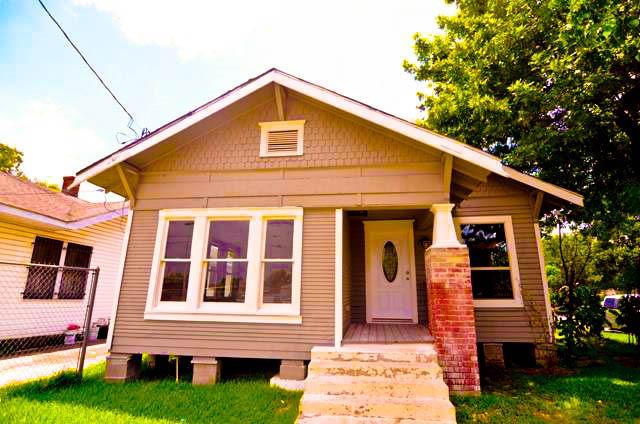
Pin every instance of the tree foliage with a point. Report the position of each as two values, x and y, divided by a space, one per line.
10 159
550 86
575 280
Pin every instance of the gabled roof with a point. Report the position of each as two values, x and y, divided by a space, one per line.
436 141
27 200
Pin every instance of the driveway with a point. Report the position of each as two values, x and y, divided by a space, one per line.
44 364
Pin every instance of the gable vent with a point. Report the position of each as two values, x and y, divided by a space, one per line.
281 138
282 141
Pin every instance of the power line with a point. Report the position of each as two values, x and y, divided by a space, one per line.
131 120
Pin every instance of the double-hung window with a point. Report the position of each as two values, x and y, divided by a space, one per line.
495 278
53 282
228 264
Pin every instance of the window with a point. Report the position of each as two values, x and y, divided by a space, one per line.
176 262
494 272
74 281
226 273
281 138
42 282
240 265
277 263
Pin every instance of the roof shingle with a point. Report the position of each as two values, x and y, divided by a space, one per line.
34 198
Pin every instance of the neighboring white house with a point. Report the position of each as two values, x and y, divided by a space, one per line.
38 225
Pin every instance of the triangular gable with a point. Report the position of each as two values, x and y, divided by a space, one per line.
456 149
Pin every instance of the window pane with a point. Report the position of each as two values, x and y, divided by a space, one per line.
277 282
279 239
487 244
73 284
78 255
174 282
41 281
179 239
228 239
494 284
226 282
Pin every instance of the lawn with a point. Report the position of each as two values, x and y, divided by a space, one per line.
151 401
606 391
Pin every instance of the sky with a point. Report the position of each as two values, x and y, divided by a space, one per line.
164 58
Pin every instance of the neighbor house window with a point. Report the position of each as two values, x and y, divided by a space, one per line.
494 271
241 265
52 282
74 281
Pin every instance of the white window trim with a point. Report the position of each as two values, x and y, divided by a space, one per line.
266 127
516 302
252 310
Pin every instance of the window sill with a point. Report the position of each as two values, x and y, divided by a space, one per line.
222 317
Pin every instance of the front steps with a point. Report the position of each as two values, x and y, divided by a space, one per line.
379 384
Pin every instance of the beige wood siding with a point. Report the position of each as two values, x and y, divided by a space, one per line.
529 323
133 334
346 272
31 317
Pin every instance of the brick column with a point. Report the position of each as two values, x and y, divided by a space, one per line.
451 318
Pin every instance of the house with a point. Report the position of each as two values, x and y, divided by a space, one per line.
41 226
282 220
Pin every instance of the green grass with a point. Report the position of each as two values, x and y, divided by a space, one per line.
62 400
608 392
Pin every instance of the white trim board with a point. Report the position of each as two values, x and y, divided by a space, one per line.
390 122
71 225
120 276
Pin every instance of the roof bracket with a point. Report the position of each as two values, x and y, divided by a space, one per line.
281 101
125 184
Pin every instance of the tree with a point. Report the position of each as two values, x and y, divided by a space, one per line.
574 280
550 86
10 159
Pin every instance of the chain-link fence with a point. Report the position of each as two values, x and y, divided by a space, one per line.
45 319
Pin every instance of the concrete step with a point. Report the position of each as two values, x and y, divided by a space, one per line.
416 408
376 386
345 419
400 371
374 353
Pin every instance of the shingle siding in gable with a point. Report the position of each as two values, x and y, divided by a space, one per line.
329 140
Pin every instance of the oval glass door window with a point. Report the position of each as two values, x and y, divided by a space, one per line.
390 262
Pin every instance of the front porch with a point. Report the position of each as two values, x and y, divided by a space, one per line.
403 278
358 333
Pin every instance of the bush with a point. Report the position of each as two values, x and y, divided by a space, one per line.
628 316
579 316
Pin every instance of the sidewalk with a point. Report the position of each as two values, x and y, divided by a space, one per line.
41 365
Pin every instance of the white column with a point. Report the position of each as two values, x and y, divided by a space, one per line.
444 231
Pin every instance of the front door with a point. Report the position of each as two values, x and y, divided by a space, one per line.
390 272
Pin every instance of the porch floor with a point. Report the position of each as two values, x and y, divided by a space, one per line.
386 334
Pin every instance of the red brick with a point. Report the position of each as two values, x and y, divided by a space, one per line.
451 317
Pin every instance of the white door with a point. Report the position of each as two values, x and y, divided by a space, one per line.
390 272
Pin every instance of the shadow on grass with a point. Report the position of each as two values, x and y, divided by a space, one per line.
64 399
609 393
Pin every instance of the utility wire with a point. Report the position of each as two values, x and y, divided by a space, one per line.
131 120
